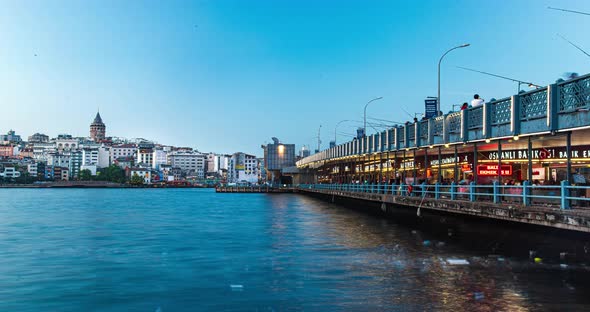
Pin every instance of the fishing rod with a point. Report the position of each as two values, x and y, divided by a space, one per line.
577 47
570 11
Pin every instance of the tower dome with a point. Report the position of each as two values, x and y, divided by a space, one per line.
97 129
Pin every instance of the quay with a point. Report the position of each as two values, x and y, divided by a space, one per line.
482 205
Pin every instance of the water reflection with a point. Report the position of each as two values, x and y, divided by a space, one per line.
182 250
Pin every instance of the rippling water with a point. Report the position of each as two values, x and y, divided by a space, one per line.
194 250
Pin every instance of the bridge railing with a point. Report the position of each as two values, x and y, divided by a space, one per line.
563 196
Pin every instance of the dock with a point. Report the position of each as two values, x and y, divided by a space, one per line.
253 189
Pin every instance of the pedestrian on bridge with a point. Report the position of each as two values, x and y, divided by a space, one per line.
477 101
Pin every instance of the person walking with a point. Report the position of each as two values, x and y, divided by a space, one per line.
476 101
464 106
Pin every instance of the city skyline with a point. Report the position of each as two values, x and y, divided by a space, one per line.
221 76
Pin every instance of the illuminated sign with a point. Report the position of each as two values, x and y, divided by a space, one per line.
492 170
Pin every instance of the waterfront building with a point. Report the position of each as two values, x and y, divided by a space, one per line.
261 171
76 161
276 157
9 172
38 138
190 162
10 137
97 129
32 169
145 173
160 157
217 165
243 168
61 173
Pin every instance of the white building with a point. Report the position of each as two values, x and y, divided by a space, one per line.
32 169
100 157
66 143
123 150
160 157
57 159
145 173
189 162
42 150
217 164
10 172
145 156
243 168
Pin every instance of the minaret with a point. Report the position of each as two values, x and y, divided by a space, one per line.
97 129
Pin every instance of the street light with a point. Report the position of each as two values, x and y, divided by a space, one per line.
365 115
341 121
440 60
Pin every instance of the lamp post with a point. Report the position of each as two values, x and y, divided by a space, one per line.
336 127
365 115
439 61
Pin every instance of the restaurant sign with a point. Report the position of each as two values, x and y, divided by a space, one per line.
492 170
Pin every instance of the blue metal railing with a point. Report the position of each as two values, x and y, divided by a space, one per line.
557 196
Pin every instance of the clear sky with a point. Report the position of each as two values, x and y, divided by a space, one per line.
226 76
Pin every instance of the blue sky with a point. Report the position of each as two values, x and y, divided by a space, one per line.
226 76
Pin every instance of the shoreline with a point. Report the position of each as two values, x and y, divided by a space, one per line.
92 184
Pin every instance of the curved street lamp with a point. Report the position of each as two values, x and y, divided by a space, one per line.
365 115
336 127
439 61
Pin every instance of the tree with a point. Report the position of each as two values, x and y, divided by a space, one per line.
112 173
136 180
85 175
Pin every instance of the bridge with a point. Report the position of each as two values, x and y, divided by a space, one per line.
523 158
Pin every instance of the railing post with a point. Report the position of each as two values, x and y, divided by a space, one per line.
403 189
552 106
393 188
472 191
437 190
515 115
565 193
496 197
453 191
423 186
526 188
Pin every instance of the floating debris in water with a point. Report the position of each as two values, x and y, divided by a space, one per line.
457 261
563 265
440 244
538 260
236 287
426 243
413 231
